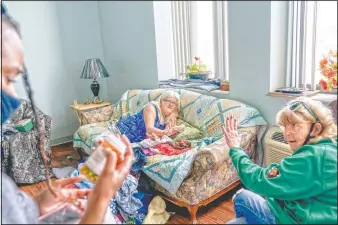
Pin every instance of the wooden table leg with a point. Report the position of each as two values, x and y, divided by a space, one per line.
79 117
193 211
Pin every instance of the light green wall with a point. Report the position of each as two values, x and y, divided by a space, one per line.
59 36
129 47
249 32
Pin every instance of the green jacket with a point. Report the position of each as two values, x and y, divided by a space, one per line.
305 191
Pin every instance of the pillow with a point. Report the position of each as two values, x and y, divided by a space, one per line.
189 132
97 115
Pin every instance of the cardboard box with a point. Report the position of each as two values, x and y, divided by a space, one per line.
24 125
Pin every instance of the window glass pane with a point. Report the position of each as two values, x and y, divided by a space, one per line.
205 37
326 38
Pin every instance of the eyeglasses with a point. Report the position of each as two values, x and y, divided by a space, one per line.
170 102
295 105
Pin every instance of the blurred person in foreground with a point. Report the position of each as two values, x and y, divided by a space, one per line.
17 206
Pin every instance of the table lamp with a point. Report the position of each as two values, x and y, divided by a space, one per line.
93 69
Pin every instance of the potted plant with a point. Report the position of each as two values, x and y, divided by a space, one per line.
198 70
328 69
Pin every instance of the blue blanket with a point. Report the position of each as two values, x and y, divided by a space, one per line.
189 83
128 202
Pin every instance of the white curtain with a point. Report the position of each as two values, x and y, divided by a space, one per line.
181 14
185 33
294 56
221 39
301 15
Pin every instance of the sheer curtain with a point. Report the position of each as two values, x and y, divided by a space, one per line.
181 14
200 29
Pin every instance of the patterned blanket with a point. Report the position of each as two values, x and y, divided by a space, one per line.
170 171
204 112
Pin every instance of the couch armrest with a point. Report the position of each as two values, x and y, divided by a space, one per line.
210 156
213 155
97 115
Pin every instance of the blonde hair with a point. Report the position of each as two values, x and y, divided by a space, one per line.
171 94
301 115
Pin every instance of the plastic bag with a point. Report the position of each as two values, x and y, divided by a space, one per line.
64 214
156 212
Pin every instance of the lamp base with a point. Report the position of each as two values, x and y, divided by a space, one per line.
95 86
97 100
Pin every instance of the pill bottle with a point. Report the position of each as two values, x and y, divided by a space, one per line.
96 162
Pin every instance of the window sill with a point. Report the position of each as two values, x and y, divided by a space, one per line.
316 95
215 93
288 95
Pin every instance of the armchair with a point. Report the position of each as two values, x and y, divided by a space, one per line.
20 155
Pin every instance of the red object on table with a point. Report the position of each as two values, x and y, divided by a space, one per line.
167 149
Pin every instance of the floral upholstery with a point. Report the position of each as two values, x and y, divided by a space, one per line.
97 115
212 171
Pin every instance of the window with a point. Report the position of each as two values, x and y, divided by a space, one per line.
326 35
313 32
199 29
203 45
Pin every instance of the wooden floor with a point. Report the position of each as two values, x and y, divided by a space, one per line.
217 212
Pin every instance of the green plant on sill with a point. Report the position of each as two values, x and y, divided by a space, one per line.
198 67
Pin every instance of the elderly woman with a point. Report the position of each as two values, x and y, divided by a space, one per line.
303 187
156 118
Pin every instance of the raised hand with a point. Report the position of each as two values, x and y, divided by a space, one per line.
230 132
47 201
174 130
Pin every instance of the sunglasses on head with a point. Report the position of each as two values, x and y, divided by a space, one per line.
295 105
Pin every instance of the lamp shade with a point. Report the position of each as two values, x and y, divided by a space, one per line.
94 68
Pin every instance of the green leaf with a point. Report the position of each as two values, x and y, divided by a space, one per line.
194 67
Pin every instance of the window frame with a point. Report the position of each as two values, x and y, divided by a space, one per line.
184 51
302 33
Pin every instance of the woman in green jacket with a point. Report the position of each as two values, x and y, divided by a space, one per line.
303 187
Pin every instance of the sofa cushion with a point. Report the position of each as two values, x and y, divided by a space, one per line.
189 132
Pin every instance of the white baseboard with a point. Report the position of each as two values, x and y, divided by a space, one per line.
59 141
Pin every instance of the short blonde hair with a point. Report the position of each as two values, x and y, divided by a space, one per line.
302 115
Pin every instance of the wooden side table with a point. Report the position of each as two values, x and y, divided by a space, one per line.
87 107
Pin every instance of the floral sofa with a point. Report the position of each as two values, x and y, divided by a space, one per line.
196 177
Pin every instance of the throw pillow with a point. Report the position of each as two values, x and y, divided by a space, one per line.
189 133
